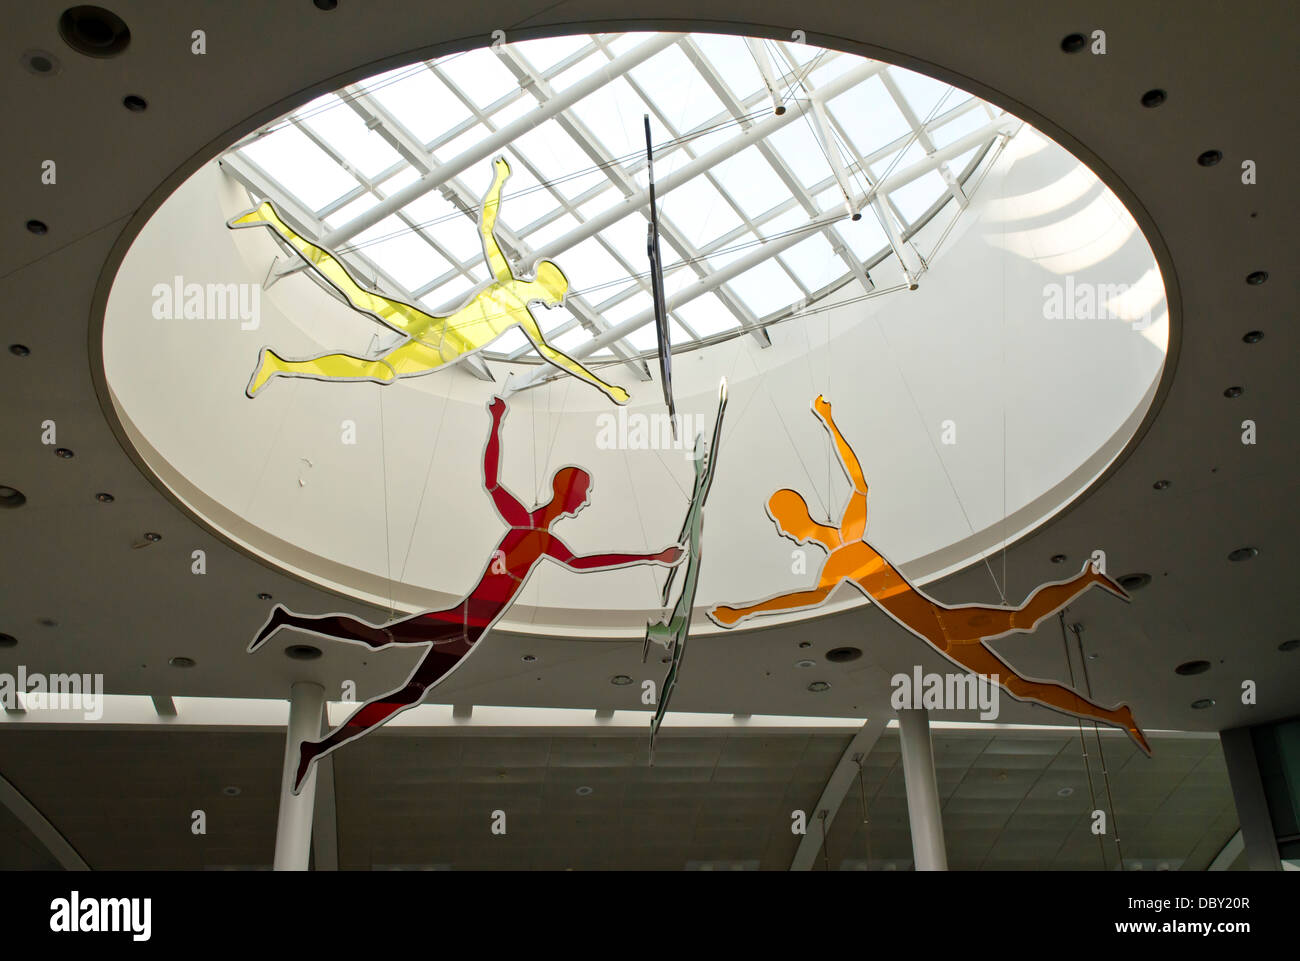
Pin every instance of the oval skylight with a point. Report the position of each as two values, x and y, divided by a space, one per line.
983 312
791 143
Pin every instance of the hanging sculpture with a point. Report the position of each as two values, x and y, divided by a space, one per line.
672 631
662 337
452 633
431 341
958 633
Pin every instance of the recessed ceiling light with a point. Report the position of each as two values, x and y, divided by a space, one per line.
37 227
94 31
1134 582
817 687
182 662
104 497
583 791
1058 558
152 537
302 652
1234 392
1253 336
1290 645
47 622
325 4
620 680
1202 703
528 658
12 497
1189 668
839 655
41 62
264 596
64 453
805 663
1065 792
1161 485
1154 97
1210 158
135 103
1074 43
19 350
1257 278
8 640
231 791
805 644
1243 553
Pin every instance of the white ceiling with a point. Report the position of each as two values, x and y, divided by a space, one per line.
124 611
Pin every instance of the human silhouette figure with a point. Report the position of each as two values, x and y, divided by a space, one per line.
432 341
958 633
452 633
672 631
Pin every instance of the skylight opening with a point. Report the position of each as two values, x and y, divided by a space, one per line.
795 177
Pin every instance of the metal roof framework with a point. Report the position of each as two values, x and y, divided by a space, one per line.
838 178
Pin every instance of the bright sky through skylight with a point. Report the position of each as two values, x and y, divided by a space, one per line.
776 193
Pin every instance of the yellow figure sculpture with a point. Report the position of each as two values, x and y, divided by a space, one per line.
432 341
958 633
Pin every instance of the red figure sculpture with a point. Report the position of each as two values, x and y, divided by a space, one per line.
452 633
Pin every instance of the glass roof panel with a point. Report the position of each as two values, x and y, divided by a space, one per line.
422 104
590 155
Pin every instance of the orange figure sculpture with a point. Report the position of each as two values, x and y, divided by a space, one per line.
958 633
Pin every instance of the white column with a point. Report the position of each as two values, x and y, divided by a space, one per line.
922 791
1250 800
293 829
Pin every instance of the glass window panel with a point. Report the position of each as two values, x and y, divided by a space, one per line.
765 288
698 211
707 315
455 231
892 164
628 237
815 262
914 199
590 265
732 62
399 251
614 115
865 237
348 211
802 151
544 54
555 229
924 93
959 127
423 105
364 149
751 181
480 75
868 116
293 160
670 80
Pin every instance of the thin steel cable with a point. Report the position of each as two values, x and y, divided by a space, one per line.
1083 744
1101 753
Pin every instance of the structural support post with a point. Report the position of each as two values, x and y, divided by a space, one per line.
1248 796
922 790
293 829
